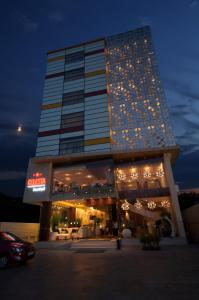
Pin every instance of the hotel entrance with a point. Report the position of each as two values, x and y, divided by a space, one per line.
95 199
83 200
83 219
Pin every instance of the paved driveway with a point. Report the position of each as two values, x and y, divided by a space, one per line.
172 273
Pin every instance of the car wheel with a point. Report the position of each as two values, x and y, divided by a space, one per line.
3 261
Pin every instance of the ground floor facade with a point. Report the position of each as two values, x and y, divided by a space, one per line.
103 194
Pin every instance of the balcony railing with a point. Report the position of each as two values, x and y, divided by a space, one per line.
144 193
84 193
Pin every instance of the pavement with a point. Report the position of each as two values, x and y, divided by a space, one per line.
106 244
130 273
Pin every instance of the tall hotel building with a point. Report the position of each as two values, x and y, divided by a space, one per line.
105 145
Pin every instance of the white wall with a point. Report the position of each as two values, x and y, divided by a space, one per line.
26 231
191 220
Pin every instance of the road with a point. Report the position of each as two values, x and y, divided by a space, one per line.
172 273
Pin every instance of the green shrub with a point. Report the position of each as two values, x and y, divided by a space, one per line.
150 241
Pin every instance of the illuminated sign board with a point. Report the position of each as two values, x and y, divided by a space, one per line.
37 182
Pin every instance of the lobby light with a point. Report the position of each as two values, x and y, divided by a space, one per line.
89 176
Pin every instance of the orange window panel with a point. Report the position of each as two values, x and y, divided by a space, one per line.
97 141
95 73
58 58
53 105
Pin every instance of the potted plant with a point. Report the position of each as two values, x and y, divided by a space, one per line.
145 240
150 241
155 241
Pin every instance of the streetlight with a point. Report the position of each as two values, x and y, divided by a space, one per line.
19 128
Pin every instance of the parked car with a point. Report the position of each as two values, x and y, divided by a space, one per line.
62 234
14 250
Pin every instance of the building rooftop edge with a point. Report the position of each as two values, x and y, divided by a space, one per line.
75 45
91 41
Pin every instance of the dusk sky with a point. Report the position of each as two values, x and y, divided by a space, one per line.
30 28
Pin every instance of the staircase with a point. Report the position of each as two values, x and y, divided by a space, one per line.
93 245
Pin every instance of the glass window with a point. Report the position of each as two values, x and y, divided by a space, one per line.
71 145
148 175
85 179
73 98
74 74
74 57
72 120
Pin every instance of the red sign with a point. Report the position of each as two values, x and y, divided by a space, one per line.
37 182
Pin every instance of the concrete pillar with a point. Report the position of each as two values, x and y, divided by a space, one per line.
45 221
174 195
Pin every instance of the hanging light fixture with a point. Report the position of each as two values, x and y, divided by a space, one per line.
151 205
125 205
134 175
159 173
121 176
147 174
138 204
165 203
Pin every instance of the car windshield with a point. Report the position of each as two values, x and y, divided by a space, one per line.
7 236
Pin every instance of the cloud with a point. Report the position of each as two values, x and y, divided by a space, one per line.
186 126
56 16
10 175
193 3
28 24
9 132
184 111
186 171
182 87
16 109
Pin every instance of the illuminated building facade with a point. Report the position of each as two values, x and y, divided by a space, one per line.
105 140
138 110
